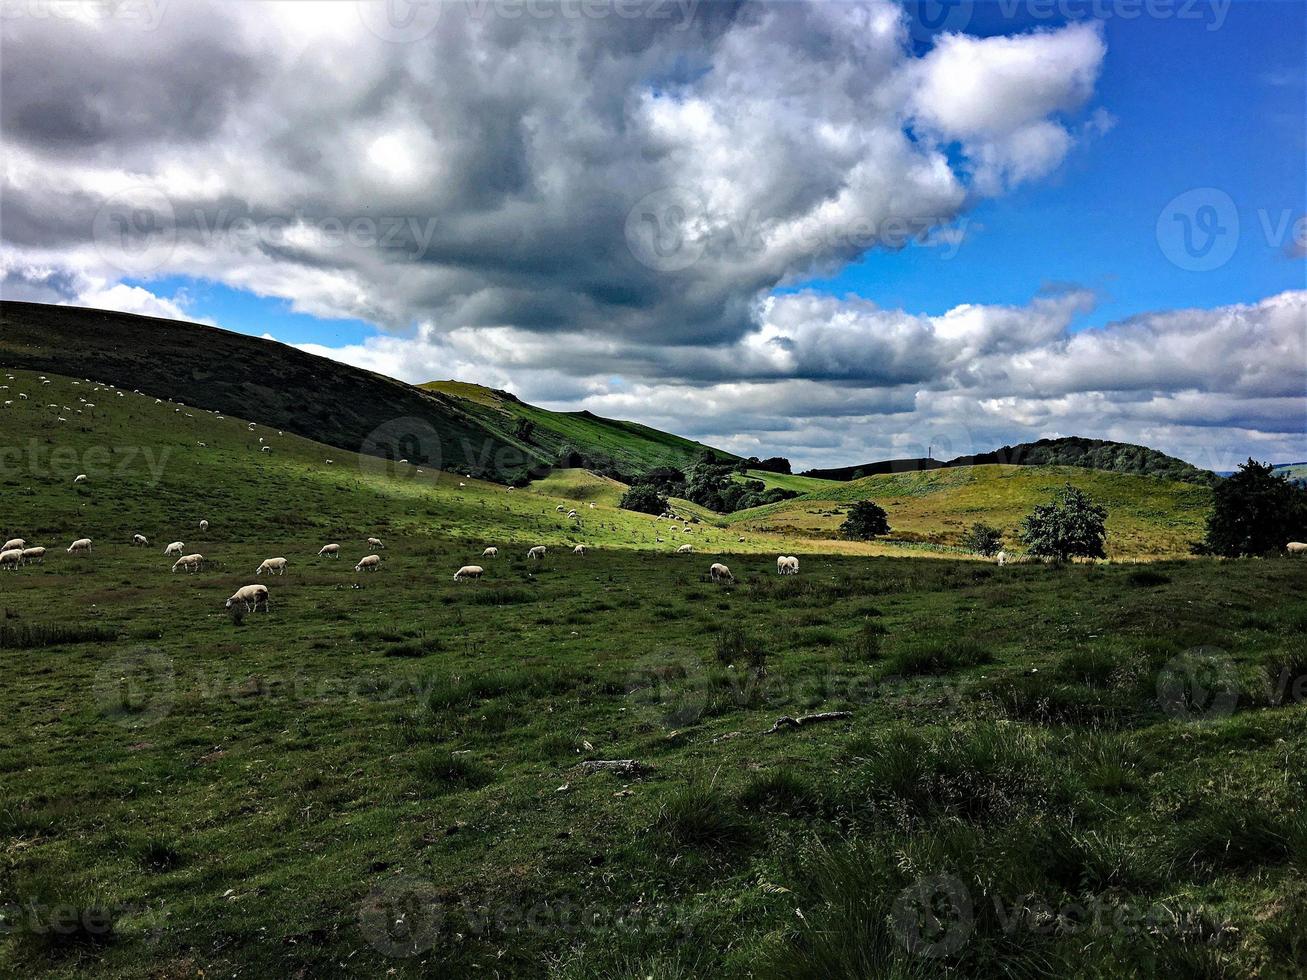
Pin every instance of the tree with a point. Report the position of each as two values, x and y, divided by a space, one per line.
644 498
1254 512
523 429
983 539
1071 525
866 520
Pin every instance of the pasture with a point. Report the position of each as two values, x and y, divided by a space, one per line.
1084 770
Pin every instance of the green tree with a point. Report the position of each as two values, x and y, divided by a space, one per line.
983 539
1254 512
1071 525
645 498
866 520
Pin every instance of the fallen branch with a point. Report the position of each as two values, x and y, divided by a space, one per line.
803 720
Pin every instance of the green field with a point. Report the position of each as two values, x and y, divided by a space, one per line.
786 481
384 775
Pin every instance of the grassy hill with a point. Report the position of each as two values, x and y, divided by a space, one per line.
632 448
1147 517
386 774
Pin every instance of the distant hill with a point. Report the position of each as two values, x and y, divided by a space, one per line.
1297 472
1097 454
590 440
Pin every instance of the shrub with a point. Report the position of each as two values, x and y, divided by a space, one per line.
644 498
1071 525
983 539
866 520
1255 512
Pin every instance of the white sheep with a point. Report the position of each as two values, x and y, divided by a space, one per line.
11 559
13 543
1296 548
787 565
371 563
579 550
469 571
273 566
36 555
267 449
204 525
571 513
251 596
720 573
174 549
560 508
80 545
685 549
80 477
536 553
490 553
192 563
375 543
330 550
139 539
1001 557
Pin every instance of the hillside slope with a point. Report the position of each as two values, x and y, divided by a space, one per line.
628 447
272 383
1147 517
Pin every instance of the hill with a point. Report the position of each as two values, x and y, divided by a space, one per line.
277 385
576 438
1099 454
1148 517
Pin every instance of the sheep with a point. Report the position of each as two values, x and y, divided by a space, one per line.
13 543
273 566
793 565
267 449
560 508
36 555
204 525
80 545
781 562
11 559
469 571
490 553
720 573
80 477
251 596
375 543
571 513
1001 557
685 549
370 562
536 553
787 565
192 563
138 539
1296 548
330 550
174 549
579 550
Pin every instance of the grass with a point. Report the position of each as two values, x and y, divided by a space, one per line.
179 795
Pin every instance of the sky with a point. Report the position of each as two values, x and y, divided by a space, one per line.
833 231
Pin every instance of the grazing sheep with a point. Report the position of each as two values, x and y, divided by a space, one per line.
267 449
251 596
685 549
80 477
579 550
720 573
204 525
81 544
139 539
536 553
330 550
490 552
11 559
469 571
571 513
787 565
13 543
375 543
174 549
560 508
1001 558
1296 548
192 563
273 566
36 555
370 562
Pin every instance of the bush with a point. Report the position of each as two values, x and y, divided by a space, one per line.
866 520
983 539
1071 525
1255 512
644 498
